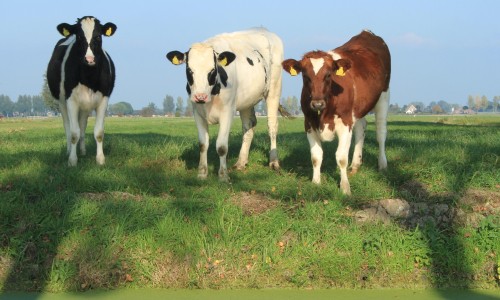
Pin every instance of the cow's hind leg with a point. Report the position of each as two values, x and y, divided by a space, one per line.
359 140
74 131
99 130
272 102
64 112
82 119
381 111
248 121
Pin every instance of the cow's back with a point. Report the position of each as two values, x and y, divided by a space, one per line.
259 53
370 70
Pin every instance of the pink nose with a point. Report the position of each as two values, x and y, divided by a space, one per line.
200 97
89 59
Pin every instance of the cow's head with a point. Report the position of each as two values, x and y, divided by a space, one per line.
87 34
204 70
319 71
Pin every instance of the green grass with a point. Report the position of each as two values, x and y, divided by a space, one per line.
145 220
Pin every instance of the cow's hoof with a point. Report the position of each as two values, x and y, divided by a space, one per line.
72 162
239 167
100 159
275 165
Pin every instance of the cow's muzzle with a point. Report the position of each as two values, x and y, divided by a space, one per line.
200 98
318 105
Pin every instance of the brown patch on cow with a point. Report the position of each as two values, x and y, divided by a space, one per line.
222 150
202 147
253 203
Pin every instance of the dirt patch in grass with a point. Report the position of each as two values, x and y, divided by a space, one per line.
111 195
253 203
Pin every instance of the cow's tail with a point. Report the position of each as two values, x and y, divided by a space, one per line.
285 113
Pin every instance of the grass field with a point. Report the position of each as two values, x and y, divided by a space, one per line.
144 220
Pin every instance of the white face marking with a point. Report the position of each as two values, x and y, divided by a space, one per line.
201 62
334 55
317 64
88 26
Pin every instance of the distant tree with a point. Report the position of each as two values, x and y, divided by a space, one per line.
24 105
50 102
436 109
496 102
168 105
394 108
179 106
189 109
484 103
149 110
445 106
38 105
6 105
477 103
121 108
470 101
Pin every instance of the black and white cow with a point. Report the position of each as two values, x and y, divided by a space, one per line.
228 73
81 75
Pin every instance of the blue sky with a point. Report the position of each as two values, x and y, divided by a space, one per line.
441 50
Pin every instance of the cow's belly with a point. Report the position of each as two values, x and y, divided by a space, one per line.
85 98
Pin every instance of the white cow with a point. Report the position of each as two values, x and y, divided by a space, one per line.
233 72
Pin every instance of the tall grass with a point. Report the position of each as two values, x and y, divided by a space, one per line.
145 220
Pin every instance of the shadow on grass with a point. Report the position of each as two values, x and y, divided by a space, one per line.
39 208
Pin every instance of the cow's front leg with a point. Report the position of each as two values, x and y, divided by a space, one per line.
342 155
203 139
222 144
359 137
74 131
248 121
316 155
99 130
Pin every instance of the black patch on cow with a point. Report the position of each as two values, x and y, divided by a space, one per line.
250 61
99 77
212 76
222 75
189 75
188 88
215 89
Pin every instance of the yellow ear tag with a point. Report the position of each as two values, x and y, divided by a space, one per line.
293 72
65 32
109 31
340 72
223 62
175 61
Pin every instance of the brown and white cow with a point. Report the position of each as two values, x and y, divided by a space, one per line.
340 88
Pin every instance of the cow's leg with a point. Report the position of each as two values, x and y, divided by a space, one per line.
203 139
342 155
99 129
82 119
248 121
381 111
222 142
272 102
316 155
74 130
359 140
64 112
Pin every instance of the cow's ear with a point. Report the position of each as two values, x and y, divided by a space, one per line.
341 66
176 57
291 66
65 29
225 58
108 29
